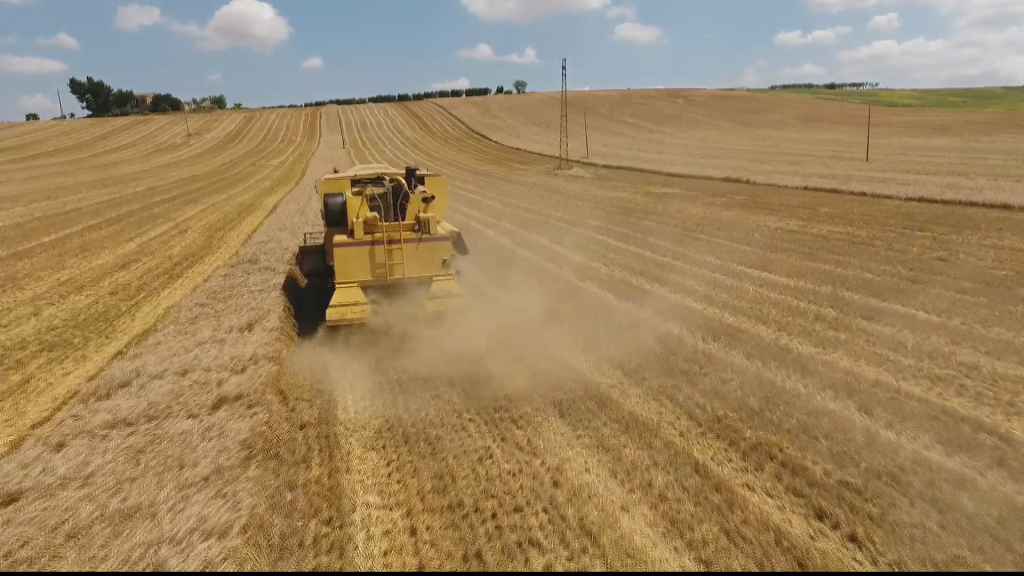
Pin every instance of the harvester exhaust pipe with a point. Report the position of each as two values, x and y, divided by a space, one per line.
410 177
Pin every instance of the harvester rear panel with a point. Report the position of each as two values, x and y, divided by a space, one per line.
382 228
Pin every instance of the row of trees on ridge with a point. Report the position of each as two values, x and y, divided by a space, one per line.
102 99
826 86
519 87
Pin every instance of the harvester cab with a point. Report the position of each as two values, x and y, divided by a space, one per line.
383 231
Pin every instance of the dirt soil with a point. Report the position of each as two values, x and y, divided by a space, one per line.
654 373
771 139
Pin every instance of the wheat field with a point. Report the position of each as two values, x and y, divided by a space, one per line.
972 157
663 373
655 373
107 224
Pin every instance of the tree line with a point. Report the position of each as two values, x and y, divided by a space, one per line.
101 99
826 86
519 87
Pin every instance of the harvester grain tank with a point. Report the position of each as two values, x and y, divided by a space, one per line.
383 231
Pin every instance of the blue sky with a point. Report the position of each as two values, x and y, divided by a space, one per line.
254 51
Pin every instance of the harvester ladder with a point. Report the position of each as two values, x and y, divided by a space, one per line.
389 262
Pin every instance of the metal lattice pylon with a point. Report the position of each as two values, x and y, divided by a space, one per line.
563 132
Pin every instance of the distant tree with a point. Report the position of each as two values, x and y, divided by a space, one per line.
165 103
94 95
218 101
826 86
71 115
122 99
31 117
236 106
500 89
509 91
520 86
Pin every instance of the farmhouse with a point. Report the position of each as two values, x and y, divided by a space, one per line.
203 104
142 100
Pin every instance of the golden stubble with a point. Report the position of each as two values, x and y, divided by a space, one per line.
653 372
949 156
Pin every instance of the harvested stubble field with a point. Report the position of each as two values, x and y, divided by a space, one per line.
107 224
657 373
972 157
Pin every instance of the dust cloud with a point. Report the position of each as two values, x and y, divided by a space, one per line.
521 333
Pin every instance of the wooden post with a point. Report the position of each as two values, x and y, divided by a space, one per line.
586 135
62 116
185 112
867 152
342 126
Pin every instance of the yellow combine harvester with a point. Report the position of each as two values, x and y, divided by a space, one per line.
383 231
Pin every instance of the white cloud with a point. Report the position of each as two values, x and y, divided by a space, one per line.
486 53
971 12
659 87
520 11
834 6
622 12
133 16
529 56
61 40
36 103
995 56
984 13
314 63
805 71
19 2
454 84
638 33
984 46
215 77
9 39
250 24
890 21
818 37
750 78
30 65
479 52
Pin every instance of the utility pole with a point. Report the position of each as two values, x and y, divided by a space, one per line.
563 133
184 110
867 153
62 116
586 134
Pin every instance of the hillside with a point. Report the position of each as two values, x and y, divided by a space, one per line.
108 223
995 99
650 372
798 142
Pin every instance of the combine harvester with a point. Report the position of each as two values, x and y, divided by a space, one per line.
384 234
